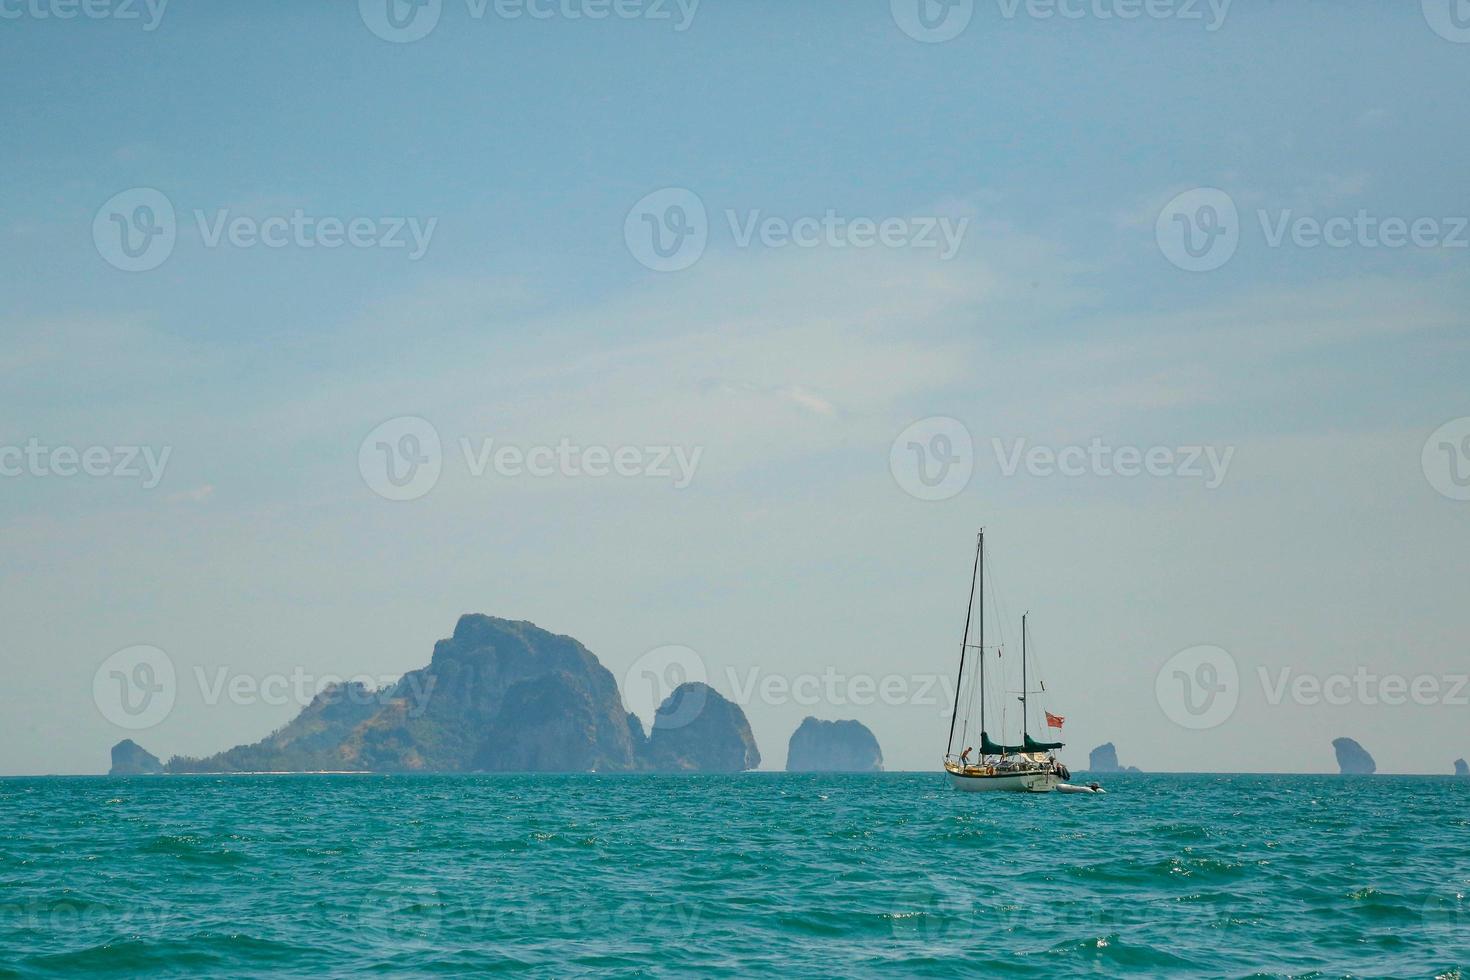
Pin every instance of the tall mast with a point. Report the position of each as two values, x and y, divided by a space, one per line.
1025 691
980 567
964 644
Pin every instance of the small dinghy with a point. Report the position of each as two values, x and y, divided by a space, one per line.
1069 788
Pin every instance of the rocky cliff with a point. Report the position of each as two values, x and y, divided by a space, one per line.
131 759
833 746
697 730
1352 758
499 696
1104 758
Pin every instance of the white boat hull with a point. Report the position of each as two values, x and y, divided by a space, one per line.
1018 782
1069 788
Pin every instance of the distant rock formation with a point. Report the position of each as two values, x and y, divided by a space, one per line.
1461 769
498 696
697 730
557 723
312 741
1104 758
833 746
1352 758
131 759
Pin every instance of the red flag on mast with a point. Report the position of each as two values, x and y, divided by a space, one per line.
1054 721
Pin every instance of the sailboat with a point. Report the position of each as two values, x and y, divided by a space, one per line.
1031 766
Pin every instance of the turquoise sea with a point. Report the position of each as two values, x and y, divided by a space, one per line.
790 875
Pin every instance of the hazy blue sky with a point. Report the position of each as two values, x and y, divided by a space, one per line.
519 147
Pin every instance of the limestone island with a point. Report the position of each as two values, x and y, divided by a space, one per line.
1352 758
1104 758
833 746
131 759
499 695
